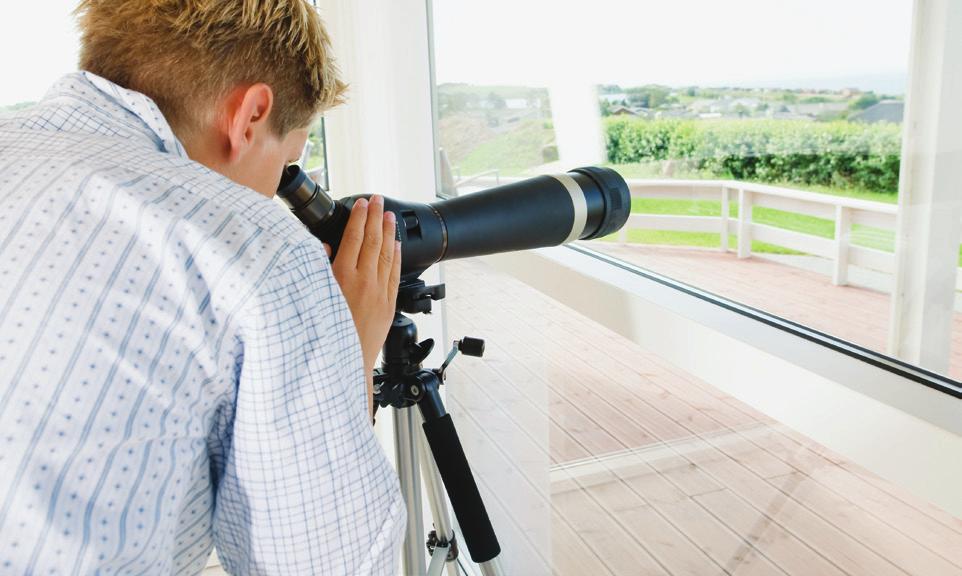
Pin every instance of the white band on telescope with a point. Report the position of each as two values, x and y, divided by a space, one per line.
578 202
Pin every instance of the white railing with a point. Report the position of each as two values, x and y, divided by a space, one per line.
843 211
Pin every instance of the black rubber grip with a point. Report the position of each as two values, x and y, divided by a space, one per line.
462 490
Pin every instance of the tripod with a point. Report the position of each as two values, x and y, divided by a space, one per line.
401 382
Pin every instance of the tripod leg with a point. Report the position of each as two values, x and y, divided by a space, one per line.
455 472
439 505
406 452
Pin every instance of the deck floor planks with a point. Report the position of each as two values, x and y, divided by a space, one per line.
518 507
897 547
855 314
675 529
772 441
854 487
570 556
842 549
819 463
568 372
760 461
664 541
679 524
787 551
576 357
592 437
618 548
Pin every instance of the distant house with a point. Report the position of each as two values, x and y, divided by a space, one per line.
704 105
884 111
780 115
675 113
747 103
816 108
620 110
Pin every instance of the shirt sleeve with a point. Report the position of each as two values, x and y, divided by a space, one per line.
305 487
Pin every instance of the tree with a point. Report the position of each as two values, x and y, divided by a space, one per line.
648 96
497 102
605 107
864 101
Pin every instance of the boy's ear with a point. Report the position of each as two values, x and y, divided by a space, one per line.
248 112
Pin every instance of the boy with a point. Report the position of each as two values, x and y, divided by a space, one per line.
180 365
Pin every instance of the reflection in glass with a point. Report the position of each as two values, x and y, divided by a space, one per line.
596 457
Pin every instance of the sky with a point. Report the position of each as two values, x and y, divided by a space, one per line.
786 43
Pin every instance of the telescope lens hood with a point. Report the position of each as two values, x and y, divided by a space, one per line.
617 199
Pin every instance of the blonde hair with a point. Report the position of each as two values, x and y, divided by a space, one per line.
185 54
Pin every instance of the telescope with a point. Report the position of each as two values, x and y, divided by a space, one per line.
582 204
543 211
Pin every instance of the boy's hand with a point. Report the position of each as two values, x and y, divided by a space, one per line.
368 269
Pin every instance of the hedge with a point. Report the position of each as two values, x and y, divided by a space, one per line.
841 154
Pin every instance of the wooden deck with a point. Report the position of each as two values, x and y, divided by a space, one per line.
596 457
855 314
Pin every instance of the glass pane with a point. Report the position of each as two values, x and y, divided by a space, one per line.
44 30
314 159
596 457
762 143
764 166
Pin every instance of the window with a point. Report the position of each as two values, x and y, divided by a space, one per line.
764 161
52 50
764 166
314 159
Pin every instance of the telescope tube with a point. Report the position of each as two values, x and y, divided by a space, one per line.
582 204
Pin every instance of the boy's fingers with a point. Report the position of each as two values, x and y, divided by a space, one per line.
353 237
395 272
387 248
373 234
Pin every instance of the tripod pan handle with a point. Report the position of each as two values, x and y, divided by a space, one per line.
461 488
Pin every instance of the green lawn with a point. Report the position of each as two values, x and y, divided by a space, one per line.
512 152
866 236
697 239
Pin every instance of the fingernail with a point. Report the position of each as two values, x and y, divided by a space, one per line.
378 199
391 218
360 204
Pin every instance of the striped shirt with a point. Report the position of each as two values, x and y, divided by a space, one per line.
178 367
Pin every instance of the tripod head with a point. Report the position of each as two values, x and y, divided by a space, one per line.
415 297
401 381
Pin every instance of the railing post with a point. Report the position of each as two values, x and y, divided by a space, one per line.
744 223
724 218
843 227
623 233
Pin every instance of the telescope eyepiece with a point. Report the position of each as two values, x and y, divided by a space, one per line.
306 199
